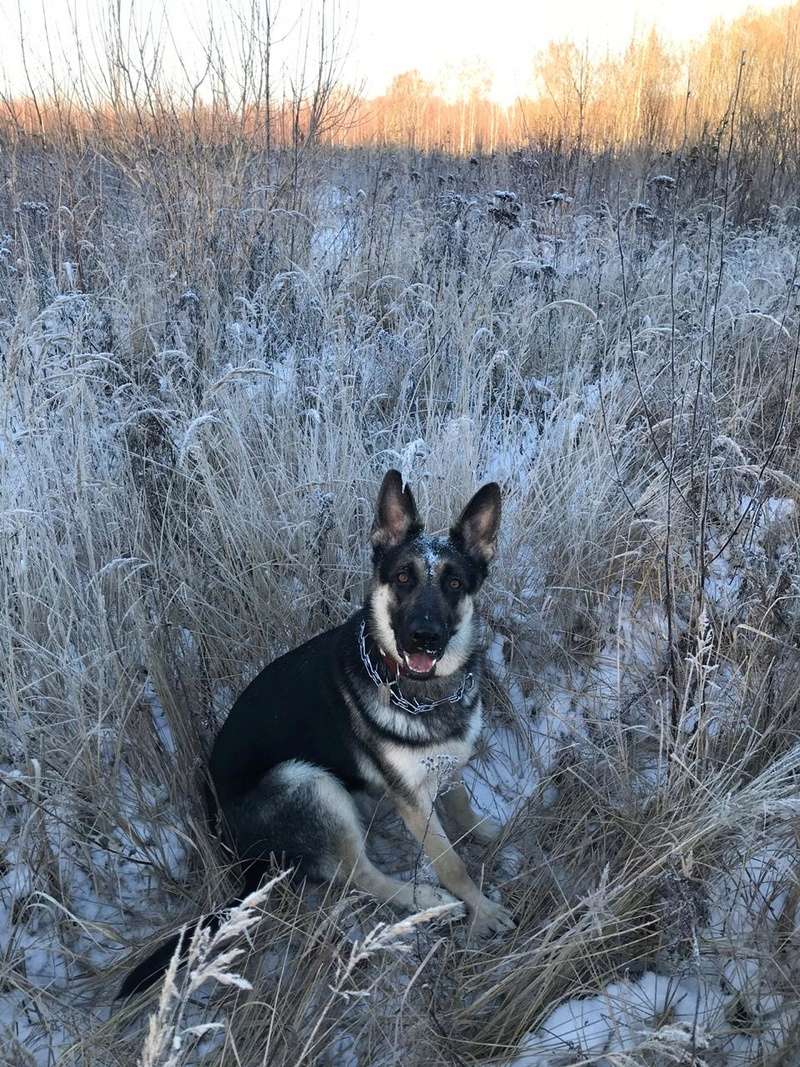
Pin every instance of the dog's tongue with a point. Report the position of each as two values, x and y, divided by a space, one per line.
420 662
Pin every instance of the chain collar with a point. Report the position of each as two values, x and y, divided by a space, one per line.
413 707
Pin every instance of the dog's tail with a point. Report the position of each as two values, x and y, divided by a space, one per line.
153 966
151 969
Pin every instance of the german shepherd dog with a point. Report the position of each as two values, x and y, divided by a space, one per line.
381 703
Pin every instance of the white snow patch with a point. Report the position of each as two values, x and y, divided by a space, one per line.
623 1017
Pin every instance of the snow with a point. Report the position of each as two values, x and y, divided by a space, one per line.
688 1006
335 231
766 513
567 693
431 548
625 1017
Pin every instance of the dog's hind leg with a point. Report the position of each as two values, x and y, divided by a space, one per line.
303 812
364 875
458 810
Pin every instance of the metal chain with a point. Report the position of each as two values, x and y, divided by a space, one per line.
413 707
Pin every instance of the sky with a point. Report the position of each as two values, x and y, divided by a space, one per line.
506 34
387 37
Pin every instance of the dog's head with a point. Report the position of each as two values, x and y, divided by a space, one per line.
421 598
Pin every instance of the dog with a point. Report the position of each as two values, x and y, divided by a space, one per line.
386 702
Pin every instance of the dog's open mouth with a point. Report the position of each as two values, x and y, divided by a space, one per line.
420 664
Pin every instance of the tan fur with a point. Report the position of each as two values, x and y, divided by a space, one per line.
423 823
458 647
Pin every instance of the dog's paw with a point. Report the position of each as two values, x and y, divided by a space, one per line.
431 896
489 919
510 860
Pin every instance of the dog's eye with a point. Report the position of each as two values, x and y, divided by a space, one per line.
402 578
454 583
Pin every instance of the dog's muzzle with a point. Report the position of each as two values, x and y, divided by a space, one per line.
423 647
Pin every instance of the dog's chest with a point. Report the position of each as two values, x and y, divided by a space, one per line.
433 765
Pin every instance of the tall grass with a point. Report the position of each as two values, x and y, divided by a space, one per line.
209 357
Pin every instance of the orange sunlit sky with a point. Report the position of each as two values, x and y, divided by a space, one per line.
440 38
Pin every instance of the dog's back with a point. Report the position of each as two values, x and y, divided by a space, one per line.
293 710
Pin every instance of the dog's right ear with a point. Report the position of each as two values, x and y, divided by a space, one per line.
476 530
396 517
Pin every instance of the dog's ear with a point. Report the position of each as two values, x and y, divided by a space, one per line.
396 517
476 530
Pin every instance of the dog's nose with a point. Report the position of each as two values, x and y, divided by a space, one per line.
427 638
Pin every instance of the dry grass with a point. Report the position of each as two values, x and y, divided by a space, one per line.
204 375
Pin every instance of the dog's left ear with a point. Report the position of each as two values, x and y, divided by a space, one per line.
396 516
476 530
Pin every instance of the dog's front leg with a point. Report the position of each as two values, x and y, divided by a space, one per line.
423 823
458 810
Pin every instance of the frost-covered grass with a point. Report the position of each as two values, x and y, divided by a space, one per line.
207 365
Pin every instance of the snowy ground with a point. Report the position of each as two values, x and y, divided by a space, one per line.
196 410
